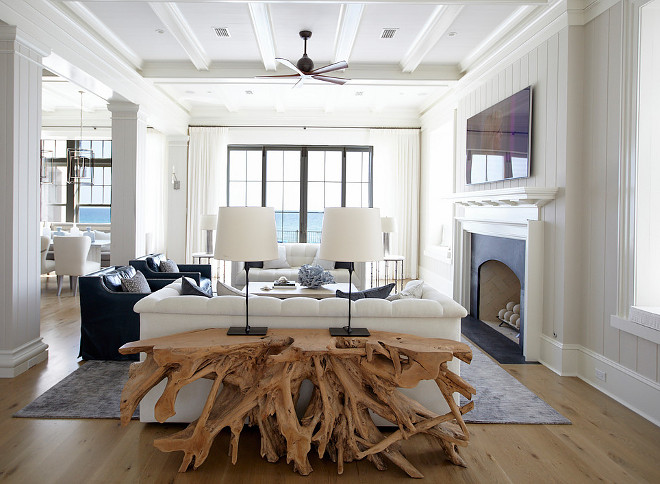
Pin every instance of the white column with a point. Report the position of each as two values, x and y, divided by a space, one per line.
177 199
21 346
129 135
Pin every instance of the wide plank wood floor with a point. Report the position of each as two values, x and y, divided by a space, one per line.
607 442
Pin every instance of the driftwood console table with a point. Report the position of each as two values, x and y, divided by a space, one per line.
261 379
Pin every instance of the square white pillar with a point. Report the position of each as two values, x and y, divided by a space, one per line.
21 346
129 178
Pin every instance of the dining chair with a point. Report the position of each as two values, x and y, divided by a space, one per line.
71 260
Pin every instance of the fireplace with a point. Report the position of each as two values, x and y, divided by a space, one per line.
497 278
513 214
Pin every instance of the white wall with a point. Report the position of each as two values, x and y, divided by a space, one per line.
575 73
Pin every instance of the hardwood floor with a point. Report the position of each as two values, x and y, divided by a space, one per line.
607 442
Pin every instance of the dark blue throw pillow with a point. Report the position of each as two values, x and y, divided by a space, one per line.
191 289
375 292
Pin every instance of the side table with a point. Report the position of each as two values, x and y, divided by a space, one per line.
398 275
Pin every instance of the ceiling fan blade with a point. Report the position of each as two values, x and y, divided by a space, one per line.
334 80
331 67
283 75
289 64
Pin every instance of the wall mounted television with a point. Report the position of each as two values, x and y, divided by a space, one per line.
499 140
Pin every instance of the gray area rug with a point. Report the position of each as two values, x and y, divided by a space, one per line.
501 398
94 391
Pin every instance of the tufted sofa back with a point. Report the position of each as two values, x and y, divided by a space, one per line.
298 254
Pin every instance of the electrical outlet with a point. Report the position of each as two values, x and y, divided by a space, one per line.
601 375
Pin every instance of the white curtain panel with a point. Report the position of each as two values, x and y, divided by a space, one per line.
207 181
156 192
396 168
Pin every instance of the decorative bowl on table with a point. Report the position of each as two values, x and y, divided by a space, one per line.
314 277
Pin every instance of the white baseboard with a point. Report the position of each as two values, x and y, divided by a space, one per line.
16 361
629 388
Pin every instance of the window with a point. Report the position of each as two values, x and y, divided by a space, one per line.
299 182
84 202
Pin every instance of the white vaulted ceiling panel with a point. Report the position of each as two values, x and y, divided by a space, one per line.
474 23
289 19
408 19
240 46
138 26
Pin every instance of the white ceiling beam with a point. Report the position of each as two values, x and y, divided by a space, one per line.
495 36
376 74
105 33
176 24
347 28
263 31
438 24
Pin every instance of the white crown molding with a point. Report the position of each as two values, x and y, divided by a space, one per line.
495 36
178 26
104 32
436 26
506 197
263 31
422 2
347 28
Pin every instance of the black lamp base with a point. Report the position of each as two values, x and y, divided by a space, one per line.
346 331
253 331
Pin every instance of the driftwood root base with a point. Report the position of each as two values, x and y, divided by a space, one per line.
261 380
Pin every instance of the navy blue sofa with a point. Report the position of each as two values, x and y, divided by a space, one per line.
149 265
107 319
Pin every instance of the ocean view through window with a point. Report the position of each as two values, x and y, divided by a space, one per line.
299 182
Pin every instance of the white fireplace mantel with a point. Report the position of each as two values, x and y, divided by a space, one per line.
506 197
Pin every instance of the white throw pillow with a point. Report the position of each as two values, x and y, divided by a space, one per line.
413 290
328 265
101 235
280 262
226 290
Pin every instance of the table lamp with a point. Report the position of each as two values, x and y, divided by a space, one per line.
353 235
208 223
388 225
248 235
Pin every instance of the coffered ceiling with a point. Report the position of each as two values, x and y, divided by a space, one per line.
204 55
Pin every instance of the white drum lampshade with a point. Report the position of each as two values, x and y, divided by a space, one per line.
351 234
208 222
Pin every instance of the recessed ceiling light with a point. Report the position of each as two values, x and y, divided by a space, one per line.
160 31
359 93
249 93
190 92
452 34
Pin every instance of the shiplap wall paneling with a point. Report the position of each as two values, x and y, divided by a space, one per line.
20 126
610 334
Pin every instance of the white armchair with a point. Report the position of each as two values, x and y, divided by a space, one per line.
46 265
71 260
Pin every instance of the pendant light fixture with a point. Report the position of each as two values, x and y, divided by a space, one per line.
78 160
46 167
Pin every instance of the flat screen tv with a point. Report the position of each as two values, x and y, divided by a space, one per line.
498 140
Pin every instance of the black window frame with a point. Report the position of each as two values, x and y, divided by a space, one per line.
304 158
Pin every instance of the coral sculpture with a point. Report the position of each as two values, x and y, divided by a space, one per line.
314 276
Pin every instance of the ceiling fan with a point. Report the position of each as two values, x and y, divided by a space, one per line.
305 67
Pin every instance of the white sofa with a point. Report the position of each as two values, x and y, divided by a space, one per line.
297 254
167 312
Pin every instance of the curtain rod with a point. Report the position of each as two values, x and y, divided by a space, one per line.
303 127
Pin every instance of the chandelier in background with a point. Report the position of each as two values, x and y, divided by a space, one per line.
46 168
79 161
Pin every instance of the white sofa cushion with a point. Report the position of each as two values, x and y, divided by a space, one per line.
280 262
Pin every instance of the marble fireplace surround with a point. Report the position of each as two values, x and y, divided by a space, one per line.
510 213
